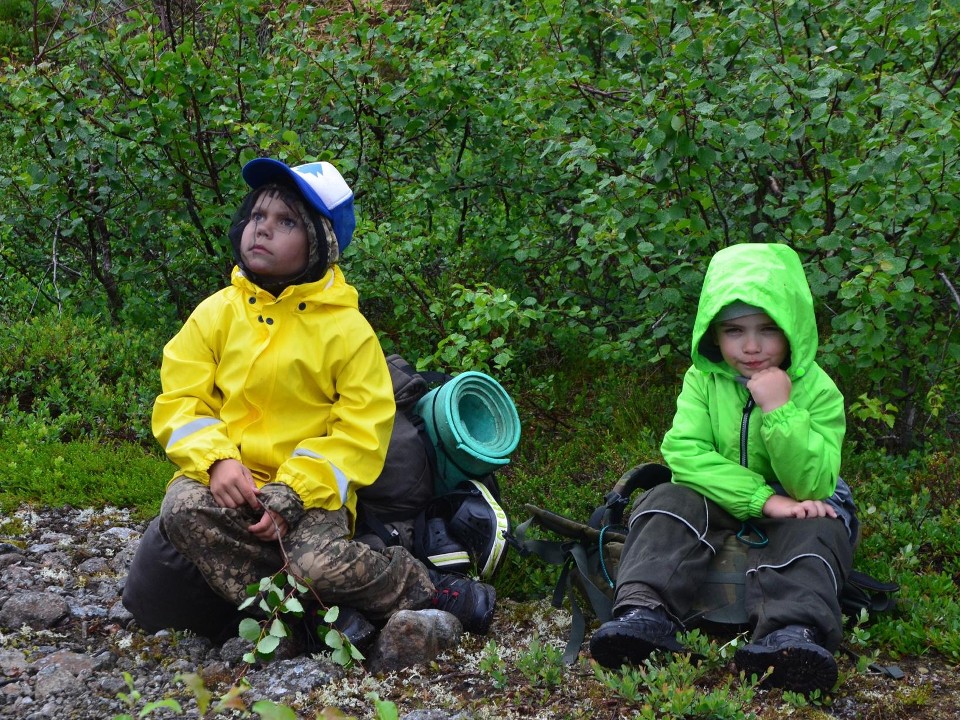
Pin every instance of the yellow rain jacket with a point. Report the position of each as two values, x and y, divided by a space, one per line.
296 388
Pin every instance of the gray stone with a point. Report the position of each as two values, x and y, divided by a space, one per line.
233 650
93 566
12 662
38 610
53 682
414 637
120 534
75 663
287 678
10 558
119 614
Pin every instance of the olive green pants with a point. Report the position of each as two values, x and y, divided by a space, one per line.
795 579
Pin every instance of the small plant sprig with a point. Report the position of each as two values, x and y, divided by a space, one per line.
542 664
231 700
860 639
279 596
276 596
493 665
132 699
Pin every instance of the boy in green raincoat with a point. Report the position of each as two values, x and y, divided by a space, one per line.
755 444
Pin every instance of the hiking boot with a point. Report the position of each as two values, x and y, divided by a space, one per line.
355 627
471 602
798 661
632 636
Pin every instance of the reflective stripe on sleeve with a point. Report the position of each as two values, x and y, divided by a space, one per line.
189 429
343 483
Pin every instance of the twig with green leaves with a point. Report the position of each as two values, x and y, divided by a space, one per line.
279 596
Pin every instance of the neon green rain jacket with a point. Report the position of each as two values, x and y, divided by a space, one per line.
296 388
796 445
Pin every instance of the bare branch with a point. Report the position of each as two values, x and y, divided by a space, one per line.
950 287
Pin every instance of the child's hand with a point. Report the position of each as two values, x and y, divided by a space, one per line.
781 506
770 388
232 485
271 526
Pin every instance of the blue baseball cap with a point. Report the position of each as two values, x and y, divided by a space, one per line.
322 186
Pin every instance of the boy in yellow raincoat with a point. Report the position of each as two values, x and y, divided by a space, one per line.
277 405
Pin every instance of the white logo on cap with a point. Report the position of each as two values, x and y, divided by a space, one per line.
326 181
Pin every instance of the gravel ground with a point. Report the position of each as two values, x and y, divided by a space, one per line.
83 656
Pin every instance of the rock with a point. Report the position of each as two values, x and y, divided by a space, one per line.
93 566
54 682
413 637
10 556
288 678
74 663
39 610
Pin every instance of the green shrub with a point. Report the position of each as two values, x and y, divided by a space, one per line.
532 183
80 377
37 469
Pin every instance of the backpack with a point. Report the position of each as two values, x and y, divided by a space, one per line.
451 526
588 554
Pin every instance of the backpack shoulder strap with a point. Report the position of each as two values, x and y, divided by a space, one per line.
569 553
369 521
864 591
408 385
644 476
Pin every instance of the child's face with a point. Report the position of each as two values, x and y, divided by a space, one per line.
274 242
751 343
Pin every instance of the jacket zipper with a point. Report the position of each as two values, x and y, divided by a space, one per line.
745 428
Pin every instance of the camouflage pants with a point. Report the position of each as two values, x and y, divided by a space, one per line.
318 548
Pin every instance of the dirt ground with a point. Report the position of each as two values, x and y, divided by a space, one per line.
928 690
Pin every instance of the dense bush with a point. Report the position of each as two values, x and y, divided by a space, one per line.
37 468
80 378
536 182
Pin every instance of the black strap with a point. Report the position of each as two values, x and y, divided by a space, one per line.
891 671
645 476
368 520
420 541
865 591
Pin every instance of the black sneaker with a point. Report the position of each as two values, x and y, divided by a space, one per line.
631 637
442 551
470 601
797 659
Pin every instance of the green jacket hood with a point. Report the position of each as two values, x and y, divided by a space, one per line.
769 276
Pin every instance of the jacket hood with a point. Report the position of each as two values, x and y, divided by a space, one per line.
768 276
331 289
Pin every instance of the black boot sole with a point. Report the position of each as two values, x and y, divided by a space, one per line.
615 646
800 668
